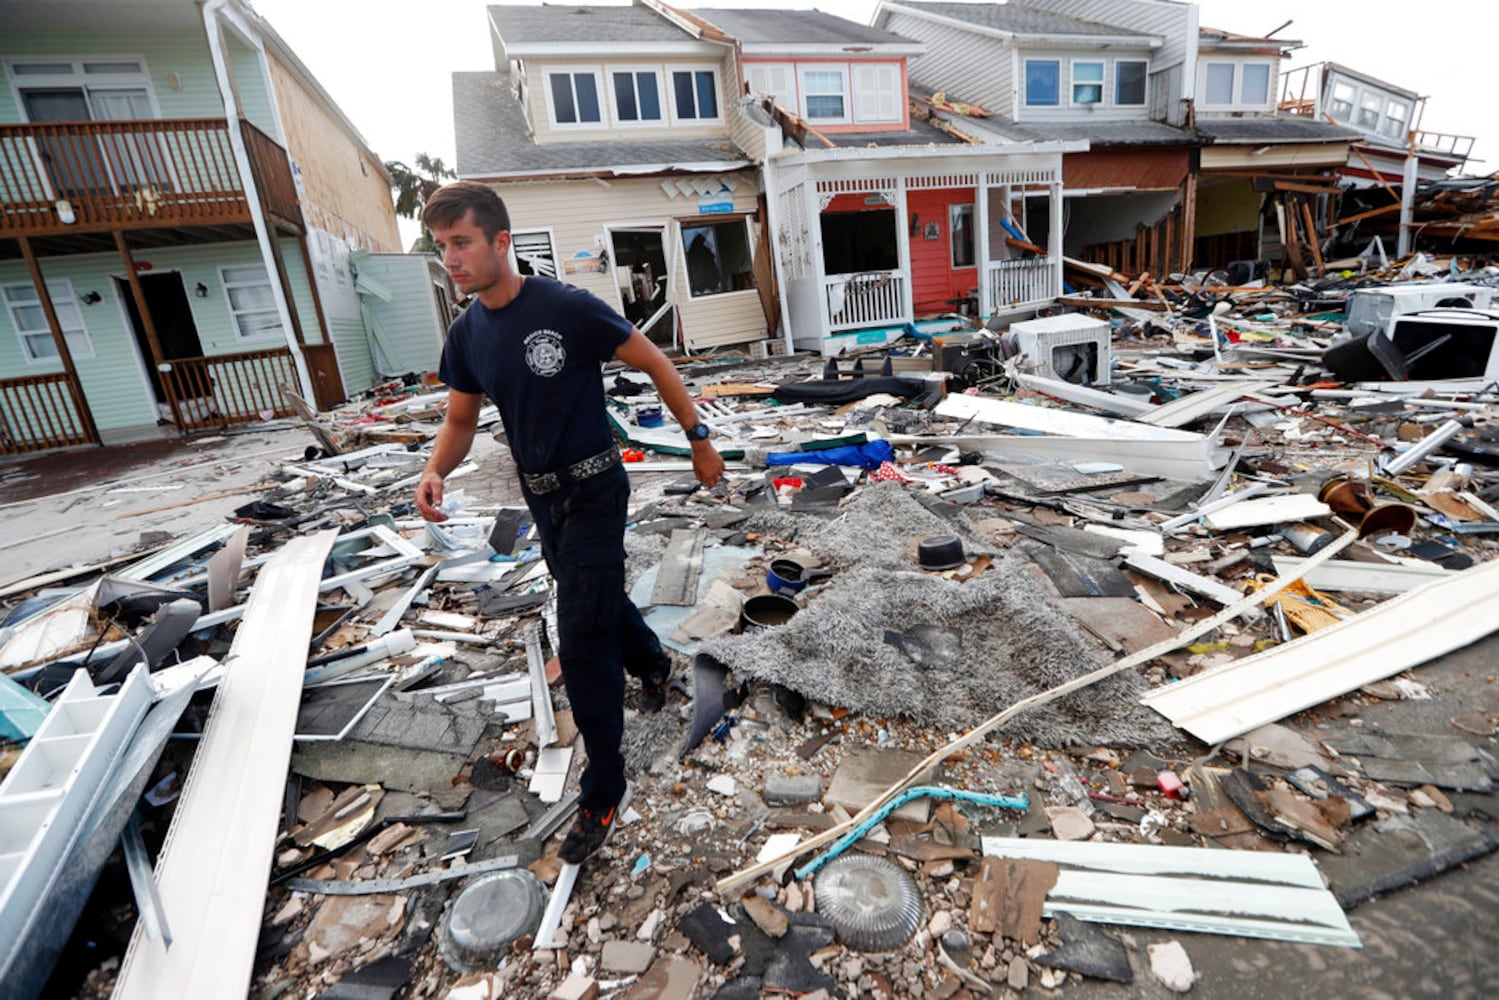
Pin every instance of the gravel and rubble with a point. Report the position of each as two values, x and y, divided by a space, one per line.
885 663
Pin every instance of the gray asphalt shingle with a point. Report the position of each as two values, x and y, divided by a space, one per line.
553 23
797 26
1281 128
1020 19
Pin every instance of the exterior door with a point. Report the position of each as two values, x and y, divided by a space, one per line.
176 330
944 271
642 272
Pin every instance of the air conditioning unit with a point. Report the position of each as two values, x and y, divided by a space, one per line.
1070 347
1371 309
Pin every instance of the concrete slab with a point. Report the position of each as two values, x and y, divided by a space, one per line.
406 742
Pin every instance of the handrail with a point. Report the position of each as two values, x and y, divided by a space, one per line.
60 177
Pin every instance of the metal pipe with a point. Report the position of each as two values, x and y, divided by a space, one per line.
1422 448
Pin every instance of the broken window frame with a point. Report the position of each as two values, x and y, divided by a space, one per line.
776 79
267 313
694 114
1119 65
1054 85
805 72
632 88
572 74
1096 86
719 224
65 303
533 261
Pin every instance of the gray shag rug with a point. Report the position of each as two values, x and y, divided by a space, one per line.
884 638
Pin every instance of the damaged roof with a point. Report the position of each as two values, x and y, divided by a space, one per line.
493 139
1015 19
1280 128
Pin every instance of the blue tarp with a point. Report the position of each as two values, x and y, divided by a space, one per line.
866 456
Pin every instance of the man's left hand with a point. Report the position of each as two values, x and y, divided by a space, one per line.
707 463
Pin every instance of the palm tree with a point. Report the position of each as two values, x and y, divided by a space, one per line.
413 188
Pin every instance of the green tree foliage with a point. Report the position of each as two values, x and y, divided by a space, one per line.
412 188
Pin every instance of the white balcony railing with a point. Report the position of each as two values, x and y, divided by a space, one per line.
1019 281
868 298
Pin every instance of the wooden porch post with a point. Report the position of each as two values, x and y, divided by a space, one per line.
158 357
75 388
1189 211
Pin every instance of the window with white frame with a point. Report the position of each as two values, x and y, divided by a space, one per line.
1395 114
1129 82
1087 82
1043 82
1369 110
1341 104
30 320
825 94
718 257
1255 87
574 98
878 95
637 96
534 252
695 94
252 304
1220 84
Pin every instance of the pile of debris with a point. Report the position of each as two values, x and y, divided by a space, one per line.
980 646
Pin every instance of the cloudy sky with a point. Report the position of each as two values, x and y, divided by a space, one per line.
388 63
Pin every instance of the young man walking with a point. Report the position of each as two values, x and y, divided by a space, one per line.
534 346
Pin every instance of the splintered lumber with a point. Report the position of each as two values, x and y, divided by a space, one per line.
213 867
737 880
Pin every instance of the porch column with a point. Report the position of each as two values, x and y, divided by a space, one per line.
981 239
158 357
75 388
1054 239
1407 202
903 249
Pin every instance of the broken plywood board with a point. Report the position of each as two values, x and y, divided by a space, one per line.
1122 623
212 869
1403 632
681 564
1246 893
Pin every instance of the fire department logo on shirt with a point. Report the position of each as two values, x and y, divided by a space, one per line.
544 353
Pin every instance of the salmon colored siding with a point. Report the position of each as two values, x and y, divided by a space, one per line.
934 281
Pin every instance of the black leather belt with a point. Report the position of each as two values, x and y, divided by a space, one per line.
541 483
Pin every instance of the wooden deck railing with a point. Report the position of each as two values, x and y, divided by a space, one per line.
869 298
1014 282
61 177
228 388
38 412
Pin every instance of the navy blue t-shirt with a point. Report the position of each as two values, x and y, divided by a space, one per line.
538 358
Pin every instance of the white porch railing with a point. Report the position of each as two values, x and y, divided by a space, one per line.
868 298
1018 281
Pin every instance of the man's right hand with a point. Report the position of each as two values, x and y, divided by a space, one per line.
429 497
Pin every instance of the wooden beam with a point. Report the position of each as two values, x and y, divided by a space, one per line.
1311 235
75 388
138 293
1083 302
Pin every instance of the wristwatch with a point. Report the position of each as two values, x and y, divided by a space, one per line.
698 432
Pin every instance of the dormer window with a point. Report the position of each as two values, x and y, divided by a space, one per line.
1395 114
637 96
574 98
696 94
1129 82
1341 105
1087 82
1235 86
1043 82
825 94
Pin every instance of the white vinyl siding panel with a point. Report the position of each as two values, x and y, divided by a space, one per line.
968 67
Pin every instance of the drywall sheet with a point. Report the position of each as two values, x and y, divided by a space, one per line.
1403 632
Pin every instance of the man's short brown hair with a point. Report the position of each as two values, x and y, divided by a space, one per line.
450 202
